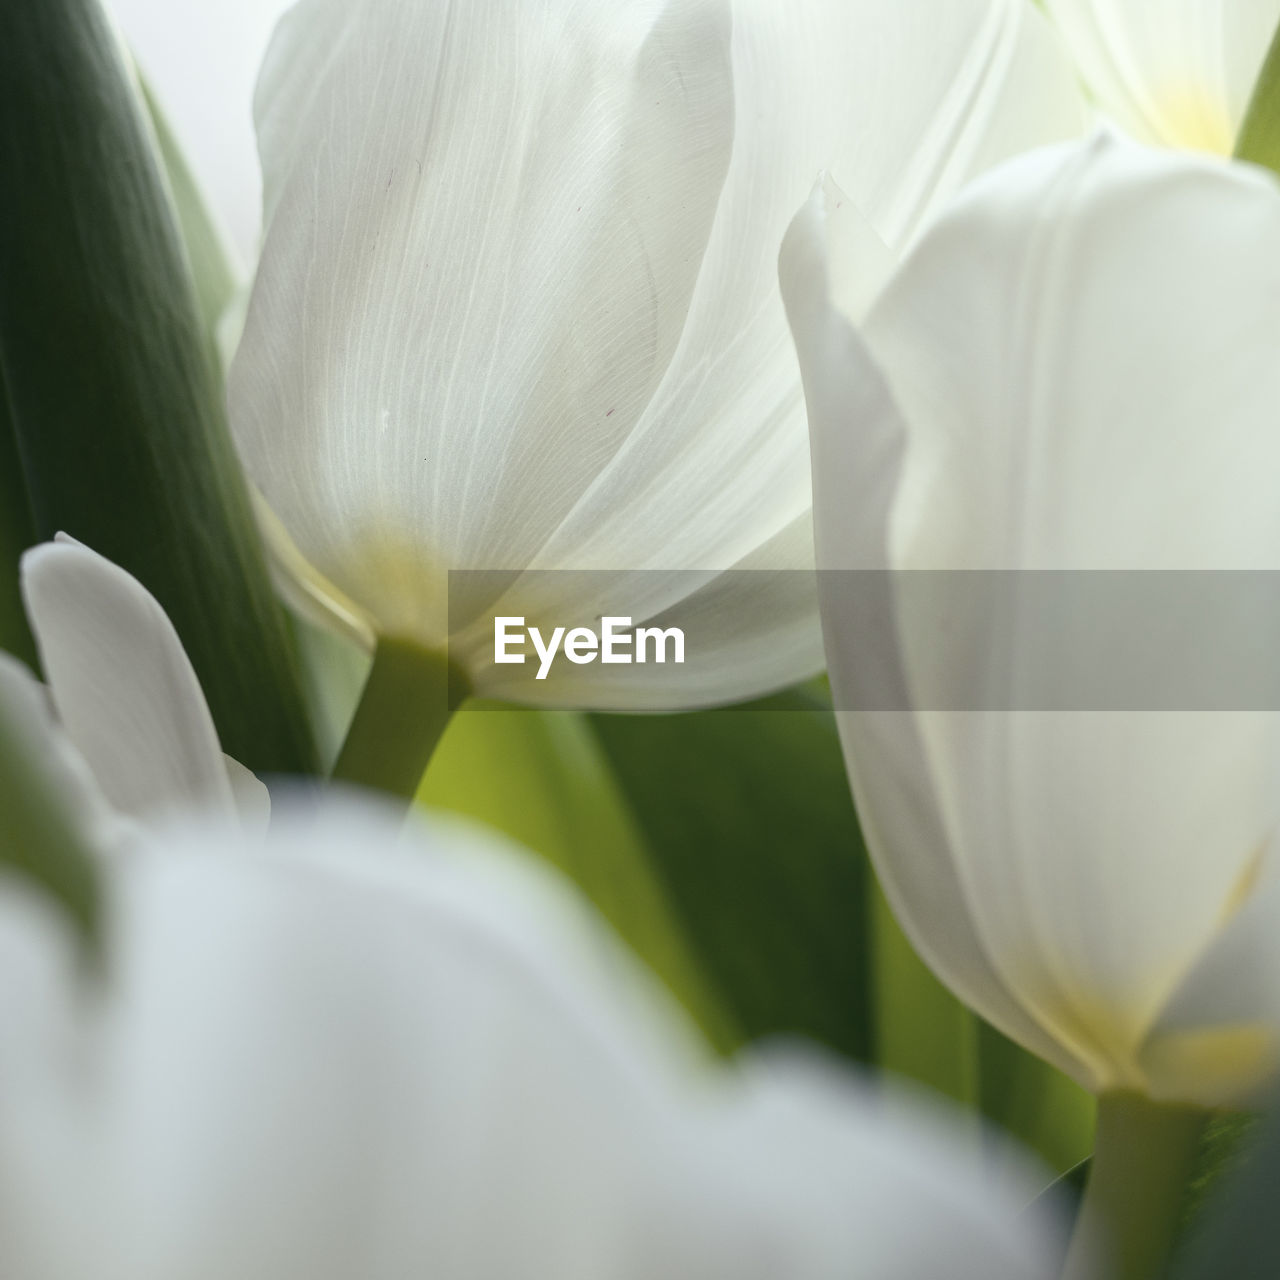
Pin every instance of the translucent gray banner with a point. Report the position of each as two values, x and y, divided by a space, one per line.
1115 640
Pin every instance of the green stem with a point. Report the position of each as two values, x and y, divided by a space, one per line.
1143 1155
407 702
1259 139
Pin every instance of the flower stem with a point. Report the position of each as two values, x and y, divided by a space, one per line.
408 700
1143 1155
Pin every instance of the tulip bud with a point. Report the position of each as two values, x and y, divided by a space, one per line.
1072 808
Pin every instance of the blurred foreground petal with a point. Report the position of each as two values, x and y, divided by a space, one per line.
329 1056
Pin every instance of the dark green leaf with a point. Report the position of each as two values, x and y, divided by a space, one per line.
211 269
921 1030
39 842
16 535
114 387
751 833
1230 1218
1037 1104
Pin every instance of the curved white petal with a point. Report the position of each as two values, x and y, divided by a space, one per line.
252 799
406 1065
1176 72
717 463
1217 1041
122 683
858 440
478 259
1080 354
450 364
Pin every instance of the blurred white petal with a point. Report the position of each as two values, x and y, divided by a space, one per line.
123 686
1176 72
333 1058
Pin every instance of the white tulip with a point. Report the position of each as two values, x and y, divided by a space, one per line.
124 691
1175 72
345 1051
517 304
1075 369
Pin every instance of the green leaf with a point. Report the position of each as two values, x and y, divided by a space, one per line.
1045 1110
1259 139
114 388
750 829
540 778
215 278
38 840
16 535
922 1031
1234 1169
1237 1236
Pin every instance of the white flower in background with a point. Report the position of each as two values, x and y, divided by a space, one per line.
344 1051
125 692
517 303
1179 73
1075 369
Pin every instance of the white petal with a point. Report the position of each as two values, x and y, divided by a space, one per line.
478 260
1177 72
1217 1041
718 463
1096 848
407 1065
859 439
449 364
39 977
122 684
252 799
715 474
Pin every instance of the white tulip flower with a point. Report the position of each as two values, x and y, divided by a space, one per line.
125 692
1179 73
1075 369
517 306
343 1051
